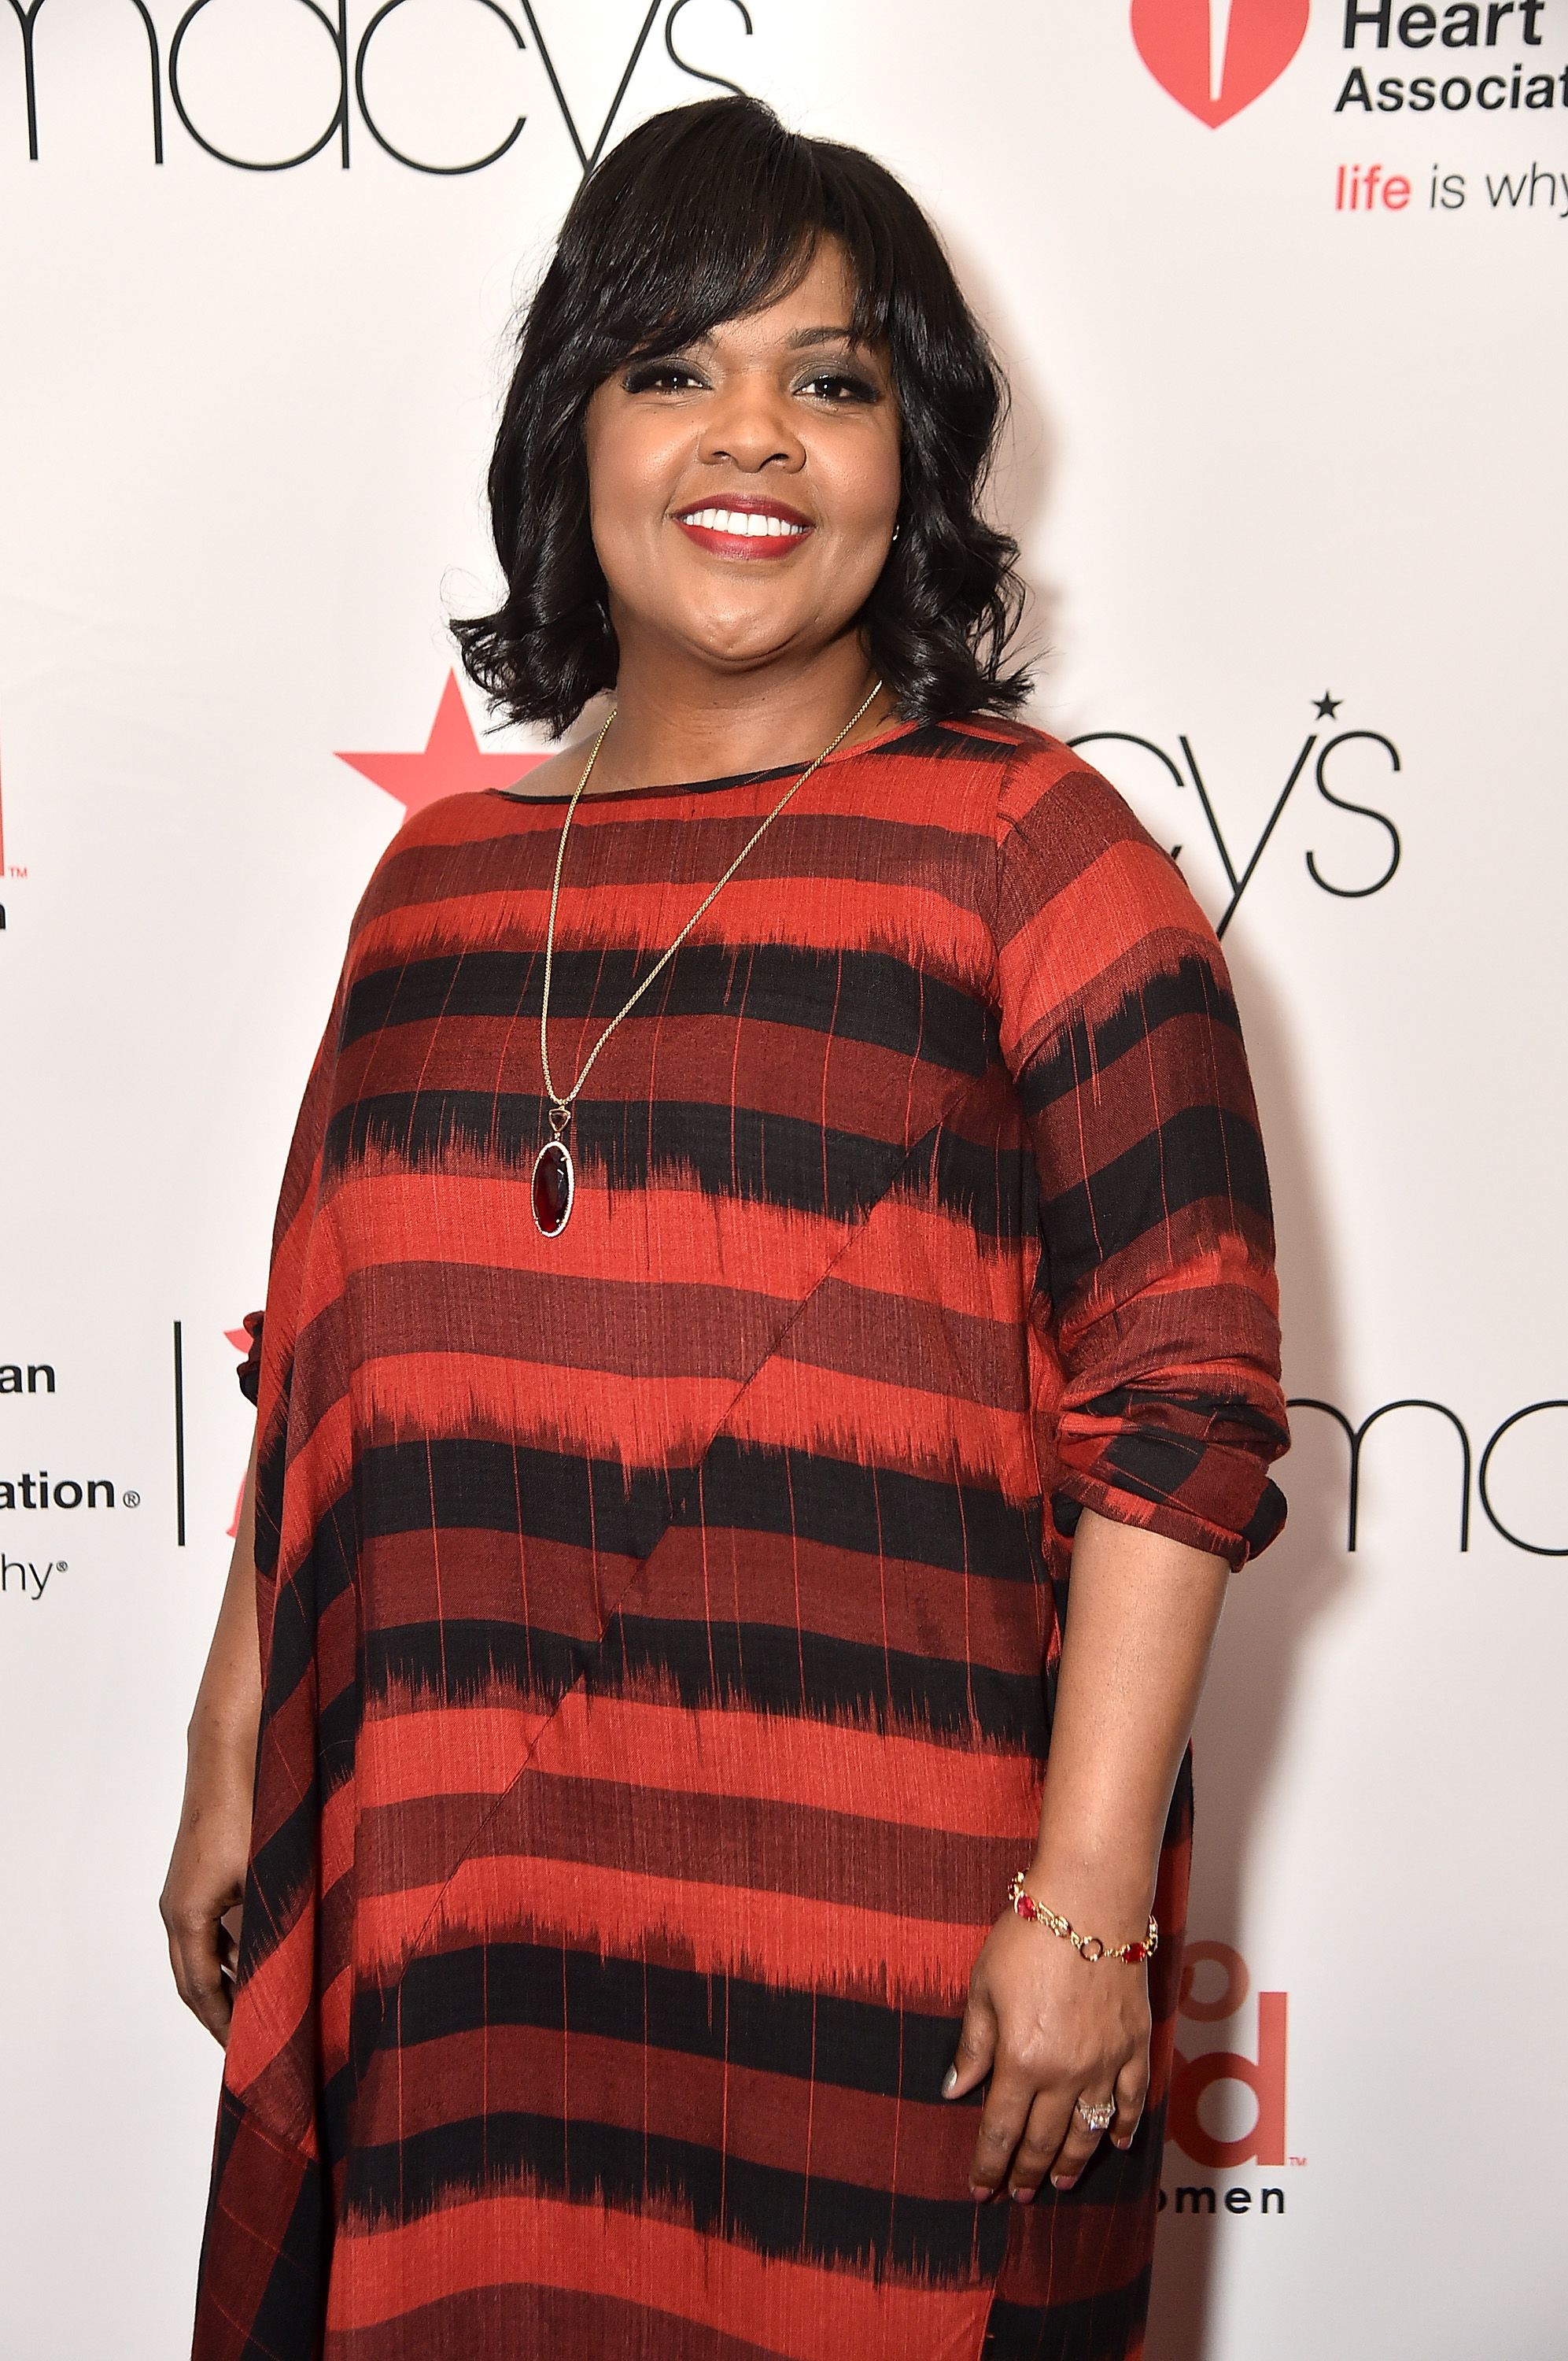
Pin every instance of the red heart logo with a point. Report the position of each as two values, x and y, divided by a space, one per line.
1214 61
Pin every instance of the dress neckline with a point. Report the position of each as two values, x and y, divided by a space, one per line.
706 786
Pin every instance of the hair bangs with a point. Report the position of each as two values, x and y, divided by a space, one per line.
725 222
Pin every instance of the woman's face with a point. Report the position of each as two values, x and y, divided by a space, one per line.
744 489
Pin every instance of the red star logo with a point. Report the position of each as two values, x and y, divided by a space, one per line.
453 762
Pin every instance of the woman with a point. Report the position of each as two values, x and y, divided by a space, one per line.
777 1187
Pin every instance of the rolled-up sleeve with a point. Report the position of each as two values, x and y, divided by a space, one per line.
1155 1300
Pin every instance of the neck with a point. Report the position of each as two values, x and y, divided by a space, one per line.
679 719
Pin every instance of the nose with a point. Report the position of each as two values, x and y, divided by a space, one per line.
747 423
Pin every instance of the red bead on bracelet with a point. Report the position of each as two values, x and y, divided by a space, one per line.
1088 1947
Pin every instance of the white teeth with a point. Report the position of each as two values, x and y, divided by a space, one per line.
746 524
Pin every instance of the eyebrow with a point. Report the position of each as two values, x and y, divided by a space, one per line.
802 340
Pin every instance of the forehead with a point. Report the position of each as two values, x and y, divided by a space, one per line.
824 297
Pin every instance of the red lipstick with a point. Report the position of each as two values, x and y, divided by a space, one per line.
743 525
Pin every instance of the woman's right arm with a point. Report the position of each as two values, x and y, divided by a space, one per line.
206 1870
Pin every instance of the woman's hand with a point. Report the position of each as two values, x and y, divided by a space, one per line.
1050 2029
202 1893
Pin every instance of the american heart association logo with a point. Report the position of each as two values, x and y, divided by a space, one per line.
1215 57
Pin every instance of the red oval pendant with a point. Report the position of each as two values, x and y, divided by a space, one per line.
555 1185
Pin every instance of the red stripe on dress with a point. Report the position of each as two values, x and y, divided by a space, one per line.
443 1749
886 1955
265 2021
602 1413
807 2313
1069 942
780 905
697 1058
671 1421
381 1216
681 2095
742 1576
740 1573
775 1758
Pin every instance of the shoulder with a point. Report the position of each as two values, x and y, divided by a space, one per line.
1073 860
1057 817
1053 794
1045 815
1008 774
439 853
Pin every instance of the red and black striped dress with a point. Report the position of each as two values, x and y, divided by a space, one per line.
660 1619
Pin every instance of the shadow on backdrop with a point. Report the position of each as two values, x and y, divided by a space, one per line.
1244 1724
1271 1606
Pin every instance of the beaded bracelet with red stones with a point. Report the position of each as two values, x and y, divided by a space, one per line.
1088 1947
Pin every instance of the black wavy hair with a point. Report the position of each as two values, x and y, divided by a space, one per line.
705 214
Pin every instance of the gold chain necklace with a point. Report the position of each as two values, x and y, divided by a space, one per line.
554 1180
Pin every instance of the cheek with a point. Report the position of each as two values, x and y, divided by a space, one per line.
866 481
630 472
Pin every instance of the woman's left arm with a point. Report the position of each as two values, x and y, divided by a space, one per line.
1048 2026
1159 1410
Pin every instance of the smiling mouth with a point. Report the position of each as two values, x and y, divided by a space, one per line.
744 533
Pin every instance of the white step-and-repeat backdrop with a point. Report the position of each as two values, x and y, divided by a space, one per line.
1281 289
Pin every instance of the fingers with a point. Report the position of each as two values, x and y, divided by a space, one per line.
1082 2140
194 1955
1044 2052
1027 2132
1079 2141
1042 2140
1008 2106
228 1943
1132 2090
977 2047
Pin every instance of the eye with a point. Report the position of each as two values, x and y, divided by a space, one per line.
659 377
839 386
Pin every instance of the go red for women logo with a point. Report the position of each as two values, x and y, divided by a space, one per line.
1215 57
1192 2076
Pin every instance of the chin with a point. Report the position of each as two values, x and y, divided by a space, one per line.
728 642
